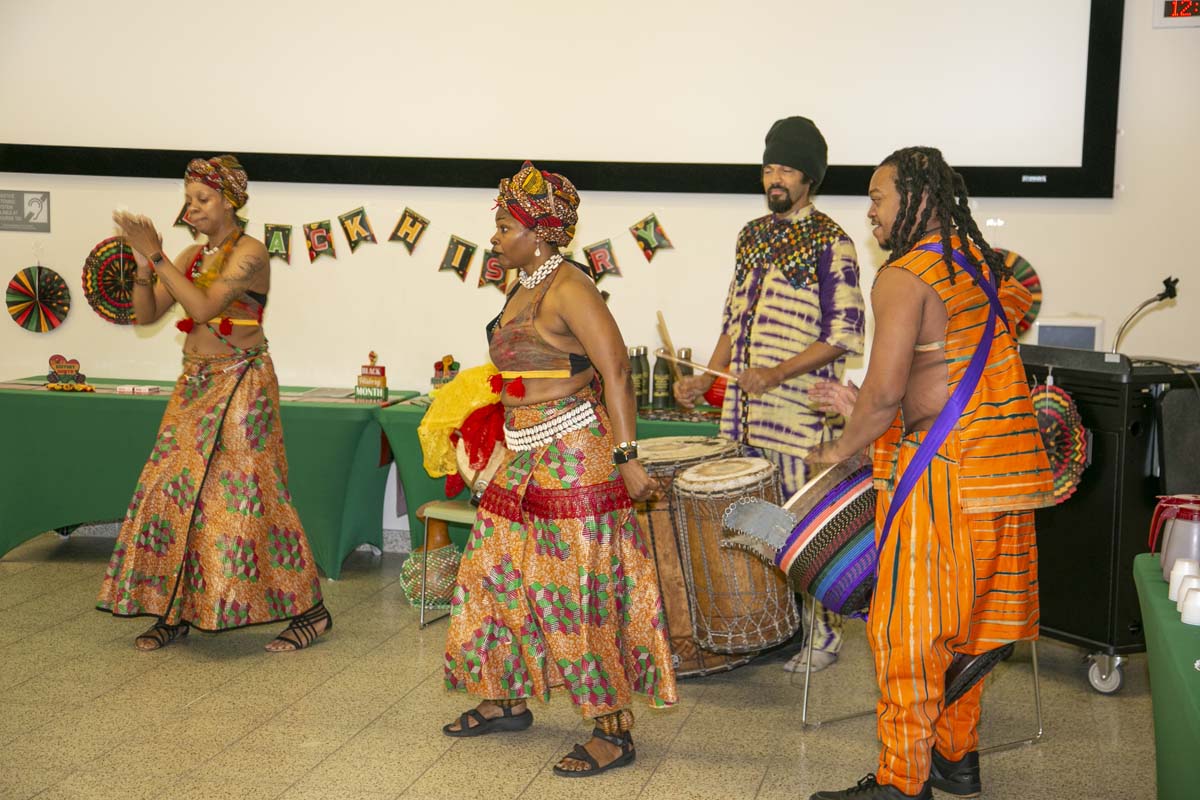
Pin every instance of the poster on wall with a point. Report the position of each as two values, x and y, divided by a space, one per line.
357 227
492 273
650 237
458 257
279 241
409 229
24 211
602 260
319 236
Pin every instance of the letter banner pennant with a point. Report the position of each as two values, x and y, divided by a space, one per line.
357 227
278 239
319 236
181 221
650 237
602 260
458 257
409 229
492 273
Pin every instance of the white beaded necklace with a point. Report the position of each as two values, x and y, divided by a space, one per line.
539 275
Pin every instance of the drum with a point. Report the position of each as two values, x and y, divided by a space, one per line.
824 538
739 603
664 458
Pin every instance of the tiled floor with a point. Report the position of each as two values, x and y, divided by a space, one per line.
84 715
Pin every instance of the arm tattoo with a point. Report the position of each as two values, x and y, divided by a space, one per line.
242 275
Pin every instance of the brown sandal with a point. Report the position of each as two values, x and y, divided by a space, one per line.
303 629
160 635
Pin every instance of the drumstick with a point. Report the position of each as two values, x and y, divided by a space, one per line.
729 376
666 337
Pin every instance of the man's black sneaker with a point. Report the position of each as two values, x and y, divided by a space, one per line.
959 778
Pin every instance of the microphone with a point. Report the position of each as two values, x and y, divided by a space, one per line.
1169 292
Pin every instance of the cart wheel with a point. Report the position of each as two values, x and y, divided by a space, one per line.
1109 685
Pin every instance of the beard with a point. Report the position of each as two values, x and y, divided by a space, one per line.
781 204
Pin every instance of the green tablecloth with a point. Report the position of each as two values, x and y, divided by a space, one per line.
1173 650
400 426
72 458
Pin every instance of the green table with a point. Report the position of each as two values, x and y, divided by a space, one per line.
400 426
1173 650
71 458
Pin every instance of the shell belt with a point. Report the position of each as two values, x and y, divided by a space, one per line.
543 433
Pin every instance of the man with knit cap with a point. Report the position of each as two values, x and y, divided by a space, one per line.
793 313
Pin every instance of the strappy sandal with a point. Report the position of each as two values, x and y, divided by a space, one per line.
160 635
507 723
580 753
302 630
966 671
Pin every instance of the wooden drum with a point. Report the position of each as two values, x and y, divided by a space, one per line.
664 458
739 603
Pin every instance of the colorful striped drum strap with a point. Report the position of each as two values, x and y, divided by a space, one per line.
957 403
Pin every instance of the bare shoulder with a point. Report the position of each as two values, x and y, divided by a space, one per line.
571 283
249 246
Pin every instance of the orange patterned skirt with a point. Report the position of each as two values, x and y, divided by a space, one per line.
211 537
557 586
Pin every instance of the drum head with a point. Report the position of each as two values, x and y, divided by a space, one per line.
670 454
724 475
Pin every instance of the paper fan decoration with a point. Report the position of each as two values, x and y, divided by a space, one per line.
108 281
38 299
1064 436
1022 272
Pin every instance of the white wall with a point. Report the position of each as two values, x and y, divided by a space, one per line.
1094 256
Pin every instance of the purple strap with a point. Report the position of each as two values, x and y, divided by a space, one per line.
954 407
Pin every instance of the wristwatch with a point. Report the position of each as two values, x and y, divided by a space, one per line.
625 452
157 258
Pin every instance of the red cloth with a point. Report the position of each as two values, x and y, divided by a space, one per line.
482 431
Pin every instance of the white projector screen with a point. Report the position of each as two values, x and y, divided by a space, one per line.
1001 86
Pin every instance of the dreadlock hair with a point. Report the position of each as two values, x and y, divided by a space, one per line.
922 172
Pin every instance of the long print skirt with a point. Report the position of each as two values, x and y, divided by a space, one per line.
211 537
557 586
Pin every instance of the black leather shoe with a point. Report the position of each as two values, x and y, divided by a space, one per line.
965 671
959 778
868 789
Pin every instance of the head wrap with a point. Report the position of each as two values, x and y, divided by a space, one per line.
795 142
544 202
222 173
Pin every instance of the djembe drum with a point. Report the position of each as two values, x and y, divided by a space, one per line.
739 603
664 458
823 538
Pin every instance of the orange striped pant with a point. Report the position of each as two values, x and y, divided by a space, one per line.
949 582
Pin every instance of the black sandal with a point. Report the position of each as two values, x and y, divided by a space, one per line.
965 671
303 629
580 753
161 634
507 723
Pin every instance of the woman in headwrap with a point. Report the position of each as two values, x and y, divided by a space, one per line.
211 539
557 587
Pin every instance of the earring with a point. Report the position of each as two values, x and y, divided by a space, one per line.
537 251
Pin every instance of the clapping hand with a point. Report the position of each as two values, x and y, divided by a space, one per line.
139 231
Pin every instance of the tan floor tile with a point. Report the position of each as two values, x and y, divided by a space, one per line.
21 781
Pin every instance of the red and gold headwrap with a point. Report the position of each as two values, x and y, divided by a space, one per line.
544 202
222 173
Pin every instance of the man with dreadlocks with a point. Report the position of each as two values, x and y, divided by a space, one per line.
959 467
793 312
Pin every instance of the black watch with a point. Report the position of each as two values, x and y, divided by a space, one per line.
157 258
625 452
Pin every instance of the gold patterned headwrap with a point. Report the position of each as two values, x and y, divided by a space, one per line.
544 202
222 173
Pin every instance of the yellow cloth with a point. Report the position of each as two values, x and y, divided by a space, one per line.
471 389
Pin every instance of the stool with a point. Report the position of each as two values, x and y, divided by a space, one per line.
436 516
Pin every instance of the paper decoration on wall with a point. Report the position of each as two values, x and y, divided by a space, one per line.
278 239
357 227
64 375
409 229
458 257
602 260
319 237
181 220
649 235
242 222
1022 272
492 273
38 299
1064 436
108 281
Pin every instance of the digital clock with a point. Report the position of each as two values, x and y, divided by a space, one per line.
1177 13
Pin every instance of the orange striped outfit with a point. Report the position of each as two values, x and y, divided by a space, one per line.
958 572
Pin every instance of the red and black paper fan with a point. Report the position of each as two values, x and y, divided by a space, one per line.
108 281
38 299
1064 436
1023 273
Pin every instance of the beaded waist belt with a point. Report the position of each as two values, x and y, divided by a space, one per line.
543 433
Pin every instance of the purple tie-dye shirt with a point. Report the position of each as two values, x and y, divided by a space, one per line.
796 282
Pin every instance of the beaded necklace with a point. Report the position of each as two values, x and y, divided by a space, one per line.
204 278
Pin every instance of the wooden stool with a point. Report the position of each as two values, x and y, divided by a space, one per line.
436 516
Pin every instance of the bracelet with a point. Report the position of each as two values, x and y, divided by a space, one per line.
625 452
142 281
